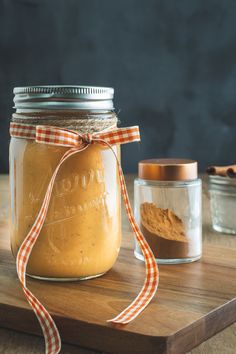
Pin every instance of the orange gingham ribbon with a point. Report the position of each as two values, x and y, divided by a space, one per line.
77 142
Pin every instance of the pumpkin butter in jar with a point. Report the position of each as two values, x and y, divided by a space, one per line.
81 235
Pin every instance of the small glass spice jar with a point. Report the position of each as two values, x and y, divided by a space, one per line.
167 202
81 236
222 192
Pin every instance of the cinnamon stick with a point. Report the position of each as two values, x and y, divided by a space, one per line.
223 171
231 172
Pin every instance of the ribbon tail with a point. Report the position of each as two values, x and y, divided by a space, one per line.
49 328
152 273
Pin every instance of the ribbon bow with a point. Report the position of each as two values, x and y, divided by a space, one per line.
76 143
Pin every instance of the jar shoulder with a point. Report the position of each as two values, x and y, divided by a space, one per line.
168 184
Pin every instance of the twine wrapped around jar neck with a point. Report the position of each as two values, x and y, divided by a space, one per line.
81 121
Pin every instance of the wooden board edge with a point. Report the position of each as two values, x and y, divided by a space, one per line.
203 329
110 339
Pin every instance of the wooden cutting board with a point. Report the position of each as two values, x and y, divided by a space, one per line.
194 302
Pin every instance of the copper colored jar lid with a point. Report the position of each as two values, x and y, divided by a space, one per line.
168 169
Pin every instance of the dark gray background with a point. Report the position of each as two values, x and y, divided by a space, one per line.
172 64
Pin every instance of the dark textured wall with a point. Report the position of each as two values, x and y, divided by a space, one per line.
172 63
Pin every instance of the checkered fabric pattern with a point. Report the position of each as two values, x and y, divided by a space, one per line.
76 143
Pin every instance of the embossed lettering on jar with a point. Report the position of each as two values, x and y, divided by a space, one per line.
82 232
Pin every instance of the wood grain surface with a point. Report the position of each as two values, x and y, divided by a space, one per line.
194 301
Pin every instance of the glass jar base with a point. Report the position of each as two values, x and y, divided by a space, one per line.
64 279
224 230
169 261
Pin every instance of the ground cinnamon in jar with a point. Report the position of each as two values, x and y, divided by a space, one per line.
167 202
164 231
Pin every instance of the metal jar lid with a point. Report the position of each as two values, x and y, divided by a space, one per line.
64 97
168 169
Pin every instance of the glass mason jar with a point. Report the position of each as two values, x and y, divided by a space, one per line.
81 235
222 192
167 202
